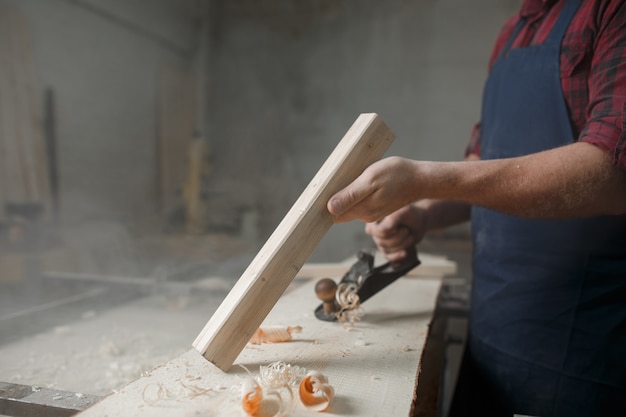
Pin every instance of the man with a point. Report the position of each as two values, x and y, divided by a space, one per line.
547 334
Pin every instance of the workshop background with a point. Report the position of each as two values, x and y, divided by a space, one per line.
150 142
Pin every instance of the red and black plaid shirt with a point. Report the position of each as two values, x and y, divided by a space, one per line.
593 68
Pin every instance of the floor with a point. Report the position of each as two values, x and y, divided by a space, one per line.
92 330
94 333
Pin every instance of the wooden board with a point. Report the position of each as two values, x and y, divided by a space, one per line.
13 186
293 241
177 112
23 159
372 367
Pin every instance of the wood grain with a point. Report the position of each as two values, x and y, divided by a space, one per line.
279 260
373 366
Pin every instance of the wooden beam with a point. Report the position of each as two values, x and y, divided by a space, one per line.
14 181
374 367
23 161
23 400
32 117
279 260
177 111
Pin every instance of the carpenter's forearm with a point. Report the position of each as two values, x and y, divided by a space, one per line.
440 214
571 181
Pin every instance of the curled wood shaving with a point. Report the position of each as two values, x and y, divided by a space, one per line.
156 394
251 396
195 390
153 393
283 401
280 374
315 392
272 396
349 303
274 402
274 334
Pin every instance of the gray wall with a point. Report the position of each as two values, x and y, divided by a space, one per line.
286 79
290 79
101 58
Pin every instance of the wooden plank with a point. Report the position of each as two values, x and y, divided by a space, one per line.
432 266
6 159
25 137
195 210
32 117
50 140
177 101
23 400
24 160
372 367
4 146
14 180
295 238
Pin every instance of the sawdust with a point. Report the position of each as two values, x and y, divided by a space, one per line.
156 394
103 352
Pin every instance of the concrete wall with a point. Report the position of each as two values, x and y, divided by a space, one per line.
286 79
290 77
101 58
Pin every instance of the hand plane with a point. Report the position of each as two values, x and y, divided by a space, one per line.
362 277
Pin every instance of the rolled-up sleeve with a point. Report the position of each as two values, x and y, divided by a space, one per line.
606 112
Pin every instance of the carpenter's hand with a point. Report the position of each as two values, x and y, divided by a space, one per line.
397 234
384 187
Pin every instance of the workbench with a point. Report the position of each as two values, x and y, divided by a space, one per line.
374 366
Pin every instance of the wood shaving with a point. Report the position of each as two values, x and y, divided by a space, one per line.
272 395
315 392
350 310
251 396
196 390
153 393
274 334
281 402
270 403
280 374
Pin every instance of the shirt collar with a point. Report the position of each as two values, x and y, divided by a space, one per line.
535 7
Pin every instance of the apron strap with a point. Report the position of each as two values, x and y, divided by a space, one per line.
512 38
558 30
560 27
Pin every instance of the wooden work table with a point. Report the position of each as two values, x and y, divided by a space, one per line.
373 366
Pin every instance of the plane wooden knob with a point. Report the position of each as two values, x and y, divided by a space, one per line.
325 289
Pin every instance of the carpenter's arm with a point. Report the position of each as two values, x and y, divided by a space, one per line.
576 180
440 214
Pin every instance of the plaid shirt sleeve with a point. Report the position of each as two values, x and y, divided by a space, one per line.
606 107
593 71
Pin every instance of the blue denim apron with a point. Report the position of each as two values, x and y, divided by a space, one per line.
548 317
